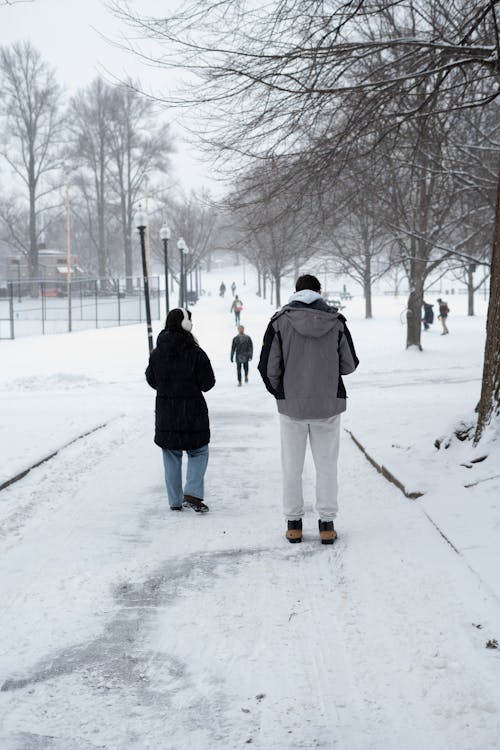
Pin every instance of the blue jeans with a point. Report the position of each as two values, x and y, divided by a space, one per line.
196 468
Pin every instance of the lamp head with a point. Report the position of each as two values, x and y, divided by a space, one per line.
165 232
141 218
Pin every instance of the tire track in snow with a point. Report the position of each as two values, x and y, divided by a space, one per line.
55 453
415 495
407 609
50 494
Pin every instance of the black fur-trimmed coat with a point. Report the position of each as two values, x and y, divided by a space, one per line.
179 370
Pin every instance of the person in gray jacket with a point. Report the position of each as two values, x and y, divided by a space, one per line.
307 349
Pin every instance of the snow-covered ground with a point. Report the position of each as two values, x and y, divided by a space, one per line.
126 627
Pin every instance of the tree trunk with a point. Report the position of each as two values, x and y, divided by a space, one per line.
470 289
101 234
396 283
368 300
33 253
259 287
416 280
264 285
367 286
415 301
126 242
489 403
101 217
277 280
128 259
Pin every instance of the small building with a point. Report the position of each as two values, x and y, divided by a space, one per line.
52 272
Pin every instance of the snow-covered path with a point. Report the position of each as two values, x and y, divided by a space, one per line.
199 632
126 626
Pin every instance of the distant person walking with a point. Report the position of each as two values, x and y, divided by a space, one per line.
222 290
444 311
242 351
233 288
236 307
307 348
428 318
179 370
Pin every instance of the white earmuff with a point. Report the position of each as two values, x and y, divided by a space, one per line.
186 323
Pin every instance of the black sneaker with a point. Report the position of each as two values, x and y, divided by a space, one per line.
176 507
327 532
294 531
195 504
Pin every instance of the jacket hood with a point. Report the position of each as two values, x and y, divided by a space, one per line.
307 296
310 322
309 314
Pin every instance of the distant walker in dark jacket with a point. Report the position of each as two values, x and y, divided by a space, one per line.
307 348
428 318
179 370
242 350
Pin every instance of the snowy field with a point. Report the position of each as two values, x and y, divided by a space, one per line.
124 627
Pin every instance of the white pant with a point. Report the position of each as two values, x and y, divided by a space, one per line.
324 438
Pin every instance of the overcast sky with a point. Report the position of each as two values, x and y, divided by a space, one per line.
68 34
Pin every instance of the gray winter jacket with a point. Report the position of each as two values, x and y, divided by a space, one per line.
307 348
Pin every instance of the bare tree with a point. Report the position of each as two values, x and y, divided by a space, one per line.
30 105
92 112
141 144
276 232
280 76
354 228
196 218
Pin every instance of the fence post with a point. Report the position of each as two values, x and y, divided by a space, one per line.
42 300
118 300
96 305
11 308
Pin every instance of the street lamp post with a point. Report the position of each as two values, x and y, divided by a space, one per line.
165 236
182 248
68 259
187 251
141 222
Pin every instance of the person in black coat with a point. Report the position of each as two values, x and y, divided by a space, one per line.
428 318
242 349
179 371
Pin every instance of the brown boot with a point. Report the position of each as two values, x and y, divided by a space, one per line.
195 503
327 533
294 531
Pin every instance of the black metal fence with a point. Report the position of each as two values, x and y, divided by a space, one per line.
43 307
